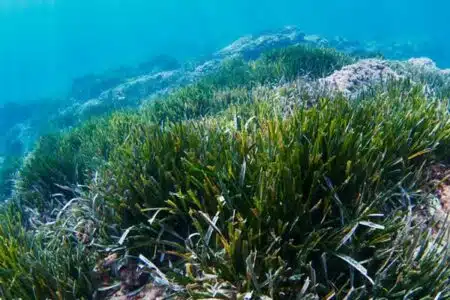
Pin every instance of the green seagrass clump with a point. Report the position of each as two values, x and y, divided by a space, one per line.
319 200
236 187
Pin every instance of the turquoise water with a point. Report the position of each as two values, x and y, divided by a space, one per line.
46 43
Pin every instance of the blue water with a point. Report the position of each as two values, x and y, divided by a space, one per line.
46 43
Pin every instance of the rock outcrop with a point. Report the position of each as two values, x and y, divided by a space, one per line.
250 47
359 77
132 91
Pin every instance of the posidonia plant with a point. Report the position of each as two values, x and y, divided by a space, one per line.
263 204
237 188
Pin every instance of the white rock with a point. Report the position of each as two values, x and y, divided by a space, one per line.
356 78
423 62
252 46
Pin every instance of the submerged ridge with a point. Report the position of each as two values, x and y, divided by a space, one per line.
285 167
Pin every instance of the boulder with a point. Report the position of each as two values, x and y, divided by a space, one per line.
250 47
423 71
359 77
422 62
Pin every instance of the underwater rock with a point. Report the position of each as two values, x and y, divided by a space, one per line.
92 85
206 68
423 62
137 90
342 43
423 71
315 39
356 78
134 90
140 87
88 108
414 67
361 76
250 47
130 93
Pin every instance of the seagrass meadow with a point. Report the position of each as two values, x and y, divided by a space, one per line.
255 182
